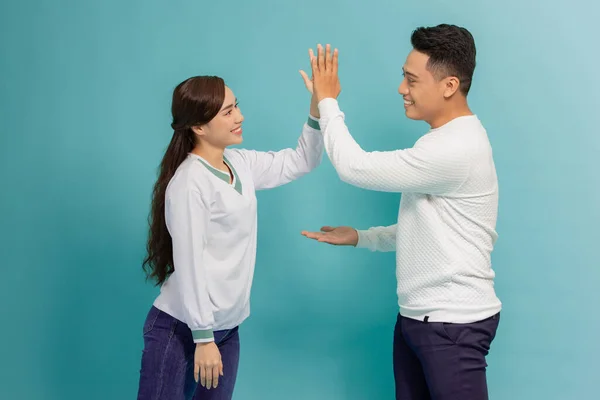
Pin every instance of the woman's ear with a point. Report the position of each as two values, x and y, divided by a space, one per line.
198 130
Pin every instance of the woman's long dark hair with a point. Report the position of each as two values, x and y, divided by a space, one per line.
196 101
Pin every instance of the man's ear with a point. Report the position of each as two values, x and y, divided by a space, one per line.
452 84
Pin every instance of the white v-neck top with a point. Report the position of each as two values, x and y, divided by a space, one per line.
213 224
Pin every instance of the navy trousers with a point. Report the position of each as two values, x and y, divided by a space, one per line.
167 367
442 361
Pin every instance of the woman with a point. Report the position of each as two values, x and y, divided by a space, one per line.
202 241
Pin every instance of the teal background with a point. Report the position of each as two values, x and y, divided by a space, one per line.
84 119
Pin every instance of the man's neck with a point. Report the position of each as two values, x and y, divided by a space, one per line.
460 110
212 155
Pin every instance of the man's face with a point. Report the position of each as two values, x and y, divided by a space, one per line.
424 95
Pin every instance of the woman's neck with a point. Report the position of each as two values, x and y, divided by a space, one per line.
212 155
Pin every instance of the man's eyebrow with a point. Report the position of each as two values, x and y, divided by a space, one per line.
409 73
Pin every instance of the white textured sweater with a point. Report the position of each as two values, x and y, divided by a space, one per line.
445 230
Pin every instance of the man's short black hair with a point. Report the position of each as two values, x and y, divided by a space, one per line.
451 51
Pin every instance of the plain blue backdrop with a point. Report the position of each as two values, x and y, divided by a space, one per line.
84 118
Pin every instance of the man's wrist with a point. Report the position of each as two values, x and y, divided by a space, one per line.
328 106
357 237
323 97
314 108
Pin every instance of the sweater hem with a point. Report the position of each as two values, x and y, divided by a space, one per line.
451 314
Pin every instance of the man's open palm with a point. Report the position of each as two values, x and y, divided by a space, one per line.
341 235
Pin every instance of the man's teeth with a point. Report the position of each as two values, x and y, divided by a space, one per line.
408 103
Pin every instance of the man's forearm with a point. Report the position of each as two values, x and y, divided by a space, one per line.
378 238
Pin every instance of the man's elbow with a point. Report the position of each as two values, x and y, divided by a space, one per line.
348 177
354 176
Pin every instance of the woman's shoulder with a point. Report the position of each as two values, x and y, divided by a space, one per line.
238 157
191 175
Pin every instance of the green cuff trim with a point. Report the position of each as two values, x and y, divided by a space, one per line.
313 124
203 335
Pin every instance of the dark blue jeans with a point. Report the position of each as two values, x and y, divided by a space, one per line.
167 370
442 361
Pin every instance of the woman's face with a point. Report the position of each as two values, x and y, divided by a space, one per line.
225 128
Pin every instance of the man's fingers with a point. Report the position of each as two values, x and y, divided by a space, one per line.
312 235
320 58
321 237
328 60
196 372
335 62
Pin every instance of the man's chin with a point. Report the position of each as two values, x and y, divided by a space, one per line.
409 114
412 114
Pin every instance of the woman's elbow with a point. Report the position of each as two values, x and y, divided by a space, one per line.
311 164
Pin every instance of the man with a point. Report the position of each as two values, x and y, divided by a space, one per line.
445 232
